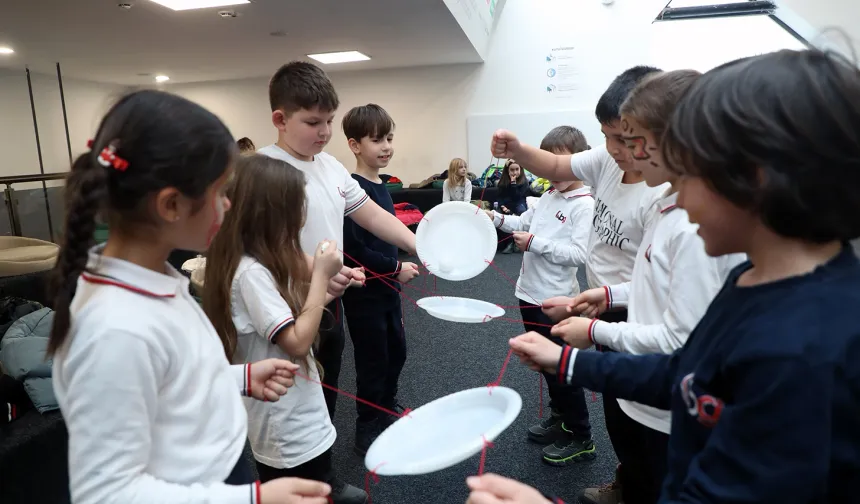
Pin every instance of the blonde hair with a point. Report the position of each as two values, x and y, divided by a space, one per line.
453 168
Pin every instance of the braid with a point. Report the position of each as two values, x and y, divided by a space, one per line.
86 191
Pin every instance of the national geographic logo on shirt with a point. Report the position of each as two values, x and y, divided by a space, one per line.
607 226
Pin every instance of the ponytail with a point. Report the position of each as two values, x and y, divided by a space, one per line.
86 190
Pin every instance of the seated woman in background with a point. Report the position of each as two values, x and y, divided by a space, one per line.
458 187
513 189
246 145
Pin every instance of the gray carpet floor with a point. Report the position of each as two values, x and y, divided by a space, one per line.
446 357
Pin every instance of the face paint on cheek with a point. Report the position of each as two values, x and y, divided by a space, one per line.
638 148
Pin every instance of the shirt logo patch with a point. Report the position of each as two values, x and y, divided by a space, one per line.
702 406
560 216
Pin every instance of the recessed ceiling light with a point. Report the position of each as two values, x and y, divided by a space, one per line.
180 5
339 57
161 78
6 50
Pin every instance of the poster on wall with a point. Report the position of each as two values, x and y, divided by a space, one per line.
562 77
483 10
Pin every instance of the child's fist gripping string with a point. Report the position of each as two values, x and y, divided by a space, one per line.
408 271
505 144
328 260
536 351
269 379
590 303
574 331
494 489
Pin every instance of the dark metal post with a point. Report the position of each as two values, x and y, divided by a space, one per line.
39 150
65 116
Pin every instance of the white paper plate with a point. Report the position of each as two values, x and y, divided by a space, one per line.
444 432
454 242
457 309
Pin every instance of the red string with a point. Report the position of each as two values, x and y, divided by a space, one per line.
371 474
502 372
593 396
354 397
483 462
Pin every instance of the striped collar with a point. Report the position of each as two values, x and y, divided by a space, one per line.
576 193
131 277
668 203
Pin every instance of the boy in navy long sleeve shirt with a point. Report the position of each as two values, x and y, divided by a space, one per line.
765 395
374 314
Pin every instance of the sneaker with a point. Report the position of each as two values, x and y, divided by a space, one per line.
366 433
609 493
569 450
344 493
548 431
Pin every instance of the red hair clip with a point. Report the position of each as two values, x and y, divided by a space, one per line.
108 158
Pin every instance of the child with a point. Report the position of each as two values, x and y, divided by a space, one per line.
458 187
554 236
304 103
513 189
265 303
374 313
246 145
623 202
764 393
664 304
151 405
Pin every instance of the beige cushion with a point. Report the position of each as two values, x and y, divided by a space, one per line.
20 255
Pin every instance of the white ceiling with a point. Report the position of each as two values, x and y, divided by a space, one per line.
96 40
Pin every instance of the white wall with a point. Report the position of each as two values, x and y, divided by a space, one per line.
86 102
430 104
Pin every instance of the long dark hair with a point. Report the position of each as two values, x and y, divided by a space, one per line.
505 181
264 222
167 141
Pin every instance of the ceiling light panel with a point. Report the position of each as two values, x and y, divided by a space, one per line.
181 5
339 57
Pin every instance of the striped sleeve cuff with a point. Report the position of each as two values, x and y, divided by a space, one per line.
355 206
255 492
246 380
529 244
608 292
564 373
617 296
273 332
398 268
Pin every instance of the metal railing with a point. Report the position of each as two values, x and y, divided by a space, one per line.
14 213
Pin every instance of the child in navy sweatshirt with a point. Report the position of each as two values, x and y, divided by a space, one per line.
765 394
373 313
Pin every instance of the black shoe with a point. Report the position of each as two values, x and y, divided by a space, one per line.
386 419
344 493
569 450
366 433
547 431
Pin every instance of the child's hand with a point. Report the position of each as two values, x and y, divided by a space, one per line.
590 303
327 259
521 239
408 271
536 351
357 277
505 144
574 332
270 378
294 491
494 489
557 308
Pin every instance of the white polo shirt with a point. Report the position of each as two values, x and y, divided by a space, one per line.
674 282
296 428
331 194
151 404
621 214
560 224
